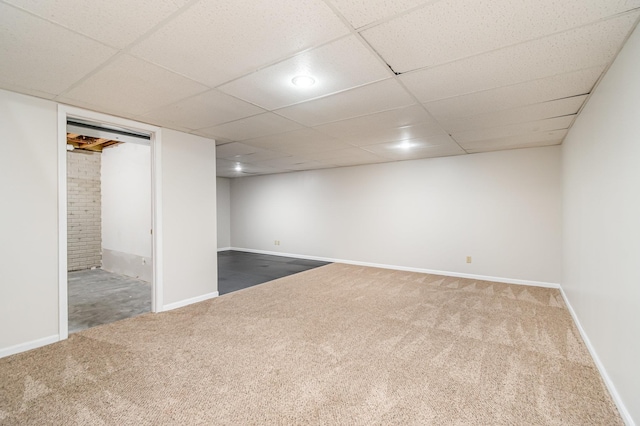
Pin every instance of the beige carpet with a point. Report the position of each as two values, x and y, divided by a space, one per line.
335 345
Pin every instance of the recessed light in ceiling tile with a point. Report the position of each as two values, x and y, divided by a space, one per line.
238 167
303 81
405 145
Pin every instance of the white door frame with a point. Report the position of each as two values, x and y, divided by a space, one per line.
64 112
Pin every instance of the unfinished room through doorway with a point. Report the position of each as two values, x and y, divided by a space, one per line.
108 211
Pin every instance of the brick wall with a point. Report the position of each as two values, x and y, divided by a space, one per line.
84 233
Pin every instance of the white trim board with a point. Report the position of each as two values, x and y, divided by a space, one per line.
225 249
406 268
622 409
27 346
64 112
190 301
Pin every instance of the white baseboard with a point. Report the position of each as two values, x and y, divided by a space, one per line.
225 249
23 347
190 301
624 413
406 268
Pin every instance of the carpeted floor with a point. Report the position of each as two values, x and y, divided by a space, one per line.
338 344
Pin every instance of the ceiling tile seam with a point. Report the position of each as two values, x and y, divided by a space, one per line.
107 61
603 73
57 24
518 122
310 99
522 133
519 83
268 136
522 106
601 65
526 145
415 98
471 144
200 94
126 49
280 60
358 36
508 46
244 118
386 19
390 141
343 119
364 148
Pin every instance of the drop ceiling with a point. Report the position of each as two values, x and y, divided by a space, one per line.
395 80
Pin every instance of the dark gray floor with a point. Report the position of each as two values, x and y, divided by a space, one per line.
238 270
99 297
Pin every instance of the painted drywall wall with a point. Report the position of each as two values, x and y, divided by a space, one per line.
84 235
28 220
503 209
223 197
126 210
601 180
189 218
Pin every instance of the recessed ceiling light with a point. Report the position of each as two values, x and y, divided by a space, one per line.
303 81
238 168
405 145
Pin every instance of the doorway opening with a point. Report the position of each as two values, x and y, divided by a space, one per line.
108 212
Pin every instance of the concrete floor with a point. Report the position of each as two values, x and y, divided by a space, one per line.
99 297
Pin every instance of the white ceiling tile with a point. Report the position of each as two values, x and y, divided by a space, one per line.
310 149
234 148
286 163
205 110
415 131
376 97
227 168
132 86
400 117
258 155
540 111
355 161
251 127
453 29
214 42
502 98
308 165
347 156
585 47
556 123
337 66
115 22
298 142
528 140
416 148
432 152
39 56
363 12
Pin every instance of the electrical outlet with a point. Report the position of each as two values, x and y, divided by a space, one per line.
468 259
276 242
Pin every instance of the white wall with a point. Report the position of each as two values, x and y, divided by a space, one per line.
502 208
189 218
28 220
126 210
223 196
601 178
